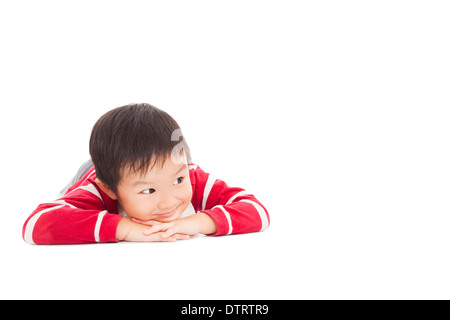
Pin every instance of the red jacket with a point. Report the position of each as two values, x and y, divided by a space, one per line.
85 214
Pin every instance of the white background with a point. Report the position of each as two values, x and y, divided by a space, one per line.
335 114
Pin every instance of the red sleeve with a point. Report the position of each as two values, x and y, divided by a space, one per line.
233 209
82 215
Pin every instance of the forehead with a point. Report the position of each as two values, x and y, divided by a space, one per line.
155 172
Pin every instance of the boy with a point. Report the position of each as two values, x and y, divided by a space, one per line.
143 187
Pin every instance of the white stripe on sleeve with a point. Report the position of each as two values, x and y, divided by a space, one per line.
227 215
97 226
92 189
262 214
64 203
239 194
209 184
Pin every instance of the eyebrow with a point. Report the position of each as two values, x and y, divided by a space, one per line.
143 182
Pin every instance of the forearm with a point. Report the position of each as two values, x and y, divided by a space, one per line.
62 223
128 230
206 223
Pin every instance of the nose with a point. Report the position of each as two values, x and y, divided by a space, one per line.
167 203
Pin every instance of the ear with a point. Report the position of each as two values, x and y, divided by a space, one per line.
106 189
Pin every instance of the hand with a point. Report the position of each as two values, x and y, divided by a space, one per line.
185 228
128 230
189 226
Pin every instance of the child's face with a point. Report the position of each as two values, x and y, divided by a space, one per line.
162 194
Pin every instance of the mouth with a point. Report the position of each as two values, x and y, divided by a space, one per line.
168 214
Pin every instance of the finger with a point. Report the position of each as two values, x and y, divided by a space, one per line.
158 227
180 236
170 232
157 237
169 239
153 229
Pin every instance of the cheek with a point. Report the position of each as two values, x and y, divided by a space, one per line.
187 193
137 207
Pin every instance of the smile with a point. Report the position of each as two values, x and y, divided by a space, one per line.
168 214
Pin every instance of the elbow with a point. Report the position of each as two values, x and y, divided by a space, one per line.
39 228
27 232
33 232
264 217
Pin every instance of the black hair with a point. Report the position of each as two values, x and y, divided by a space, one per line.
133 137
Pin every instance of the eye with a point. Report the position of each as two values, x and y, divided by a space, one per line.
148 191
179 180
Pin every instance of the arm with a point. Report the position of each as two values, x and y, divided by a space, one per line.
233 209
54 223
83 215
